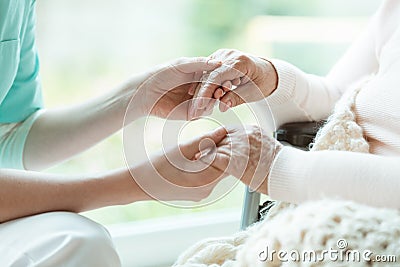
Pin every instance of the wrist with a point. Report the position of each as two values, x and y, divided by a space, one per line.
270 77
134 89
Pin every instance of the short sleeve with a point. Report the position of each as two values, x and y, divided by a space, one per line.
22 96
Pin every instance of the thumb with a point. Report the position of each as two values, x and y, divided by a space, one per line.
196 64
242 94
206 141
230 99
218 160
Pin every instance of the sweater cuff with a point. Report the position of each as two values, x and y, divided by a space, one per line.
286 82
288 178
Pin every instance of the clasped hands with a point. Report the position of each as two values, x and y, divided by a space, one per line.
188 88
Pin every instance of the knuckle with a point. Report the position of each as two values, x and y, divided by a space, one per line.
239 66
218 53
235 97
243 58
214 76
254 130
233 51
181 60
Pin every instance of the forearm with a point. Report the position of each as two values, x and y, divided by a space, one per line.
298 176
61 133
24 193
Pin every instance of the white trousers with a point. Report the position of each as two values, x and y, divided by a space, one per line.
56 239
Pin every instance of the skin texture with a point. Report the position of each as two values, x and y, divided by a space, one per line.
254 77
155 92
178 175
246 153
25 193
61 133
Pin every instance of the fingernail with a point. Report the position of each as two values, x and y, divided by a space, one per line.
191 90
229 103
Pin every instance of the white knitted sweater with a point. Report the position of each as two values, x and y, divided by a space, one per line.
298 176
317 226
311 177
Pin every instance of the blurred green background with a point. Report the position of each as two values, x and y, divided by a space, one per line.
87 47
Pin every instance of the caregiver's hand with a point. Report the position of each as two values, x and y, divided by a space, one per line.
176 175
156 92
246 154
170 86
254 77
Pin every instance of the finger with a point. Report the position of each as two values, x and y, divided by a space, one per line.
218 93
209 108
193 111
242 94
205 111
227 86
198 113
244 79
230 100
205 92
198 75
216 159
236 81
192 88
195 64
197 156
190 148
197 78
214 81
224 106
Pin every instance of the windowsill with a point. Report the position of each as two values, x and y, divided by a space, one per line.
159 242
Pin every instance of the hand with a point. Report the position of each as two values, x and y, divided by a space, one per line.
169 88
254 77
177 175
246 153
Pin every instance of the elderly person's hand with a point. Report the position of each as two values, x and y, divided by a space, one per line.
167 89
254 77
246 153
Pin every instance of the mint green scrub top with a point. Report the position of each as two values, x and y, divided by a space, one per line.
20 88
20 91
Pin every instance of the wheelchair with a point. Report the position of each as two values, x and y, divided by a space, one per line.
299 135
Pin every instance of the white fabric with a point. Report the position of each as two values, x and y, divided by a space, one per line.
342 133
369 179
59 239
318 226
297 176
12 141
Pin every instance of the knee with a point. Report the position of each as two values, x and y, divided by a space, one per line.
78 241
